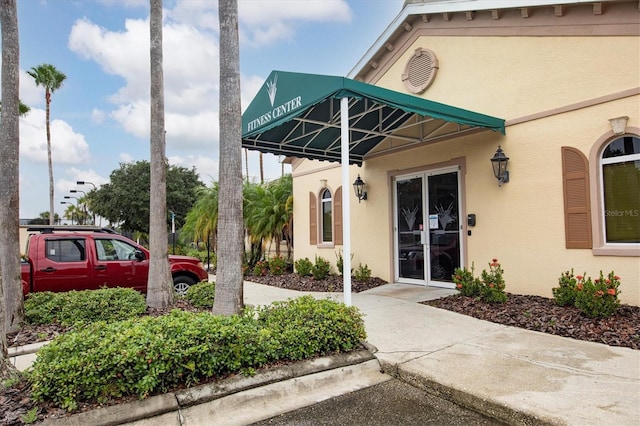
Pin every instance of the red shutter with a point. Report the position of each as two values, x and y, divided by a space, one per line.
337 217
577 211
313 219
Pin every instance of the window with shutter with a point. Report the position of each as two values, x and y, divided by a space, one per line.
337 216
577 214
313 219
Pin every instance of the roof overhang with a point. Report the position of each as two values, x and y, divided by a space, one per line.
298 115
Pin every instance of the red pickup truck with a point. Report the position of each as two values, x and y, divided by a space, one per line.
63 258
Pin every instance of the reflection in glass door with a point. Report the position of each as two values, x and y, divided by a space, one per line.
444 226
427 227
410 225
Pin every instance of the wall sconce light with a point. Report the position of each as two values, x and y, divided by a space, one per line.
619 125
358 187
499 163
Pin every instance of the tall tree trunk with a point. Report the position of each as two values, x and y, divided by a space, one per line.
246 163
261 169
49 160
11 300
229 291
160 293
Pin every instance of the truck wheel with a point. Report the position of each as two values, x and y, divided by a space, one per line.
181 284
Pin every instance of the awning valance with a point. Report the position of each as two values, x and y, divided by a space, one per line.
298 115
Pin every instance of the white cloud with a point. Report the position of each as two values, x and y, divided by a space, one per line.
97 116
67 146
125 157
191 56
206 167
266 22
30 94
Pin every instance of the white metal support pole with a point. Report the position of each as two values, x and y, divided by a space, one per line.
346 207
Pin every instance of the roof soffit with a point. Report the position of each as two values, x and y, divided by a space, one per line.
487 18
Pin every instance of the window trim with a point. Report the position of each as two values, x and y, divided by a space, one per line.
600 246
321 228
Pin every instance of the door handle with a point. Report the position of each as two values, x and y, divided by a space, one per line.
48 269
100 268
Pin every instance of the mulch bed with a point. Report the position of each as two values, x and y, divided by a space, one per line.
528 312
542 314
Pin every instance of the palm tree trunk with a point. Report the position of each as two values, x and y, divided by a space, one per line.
229 296
11 299
160 293
49 160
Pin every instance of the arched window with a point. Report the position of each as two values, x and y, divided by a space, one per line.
620 185
326 217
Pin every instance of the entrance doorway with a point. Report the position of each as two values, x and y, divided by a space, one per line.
427 227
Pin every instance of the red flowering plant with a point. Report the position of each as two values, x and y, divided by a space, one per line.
490 287
465 283
261 268
565 293
493 284
598 298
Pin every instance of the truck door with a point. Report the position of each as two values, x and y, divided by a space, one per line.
64 265
117 265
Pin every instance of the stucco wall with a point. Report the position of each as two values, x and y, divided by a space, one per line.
522 222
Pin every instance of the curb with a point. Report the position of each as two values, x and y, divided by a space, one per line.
175 401
489 407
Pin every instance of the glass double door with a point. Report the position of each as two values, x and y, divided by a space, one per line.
427 227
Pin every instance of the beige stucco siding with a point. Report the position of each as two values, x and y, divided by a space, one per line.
553 92
509 77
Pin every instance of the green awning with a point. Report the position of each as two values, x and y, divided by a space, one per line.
298 115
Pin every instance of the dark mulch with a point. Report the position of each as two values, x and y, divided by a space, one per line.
332 283
529 312
542 314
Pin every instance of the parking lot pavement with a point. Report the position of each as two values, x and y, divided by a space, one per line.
390 403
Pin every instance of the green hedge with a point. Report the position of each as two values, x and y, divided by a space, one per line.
202 295
149 355
73 307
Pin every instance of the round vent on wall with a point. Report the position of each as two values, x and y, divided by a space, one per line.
420 70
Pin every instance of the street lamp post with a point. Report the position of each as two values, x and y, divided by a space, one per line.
68 197
66 202
84 204
84 182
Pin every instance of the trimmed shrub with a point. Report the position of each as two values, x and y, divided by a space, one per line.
465 282
86 306
340 262
261 268
321 268
363 273
565 293
303 266
148 355
202 295
277 265
598 298
306 327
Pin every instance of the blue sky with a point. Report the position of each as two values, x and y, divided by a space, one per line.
100 117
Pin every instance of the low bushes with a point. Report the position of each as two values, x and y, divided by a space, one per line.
594 298
202 295
73 307
147 355
490 287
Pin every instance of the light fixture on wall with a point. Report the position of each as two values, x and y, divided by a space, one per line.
499 163
358 187
619 125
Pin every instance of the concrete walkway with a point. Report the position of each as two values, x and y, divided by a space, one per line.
514 375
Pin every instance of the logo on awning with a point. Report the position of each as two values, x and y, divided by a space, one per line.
272 89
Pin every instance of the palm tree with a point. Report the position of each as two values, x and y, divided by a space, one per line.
51 79
11 299
229 296
201 223
160 293
269 211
